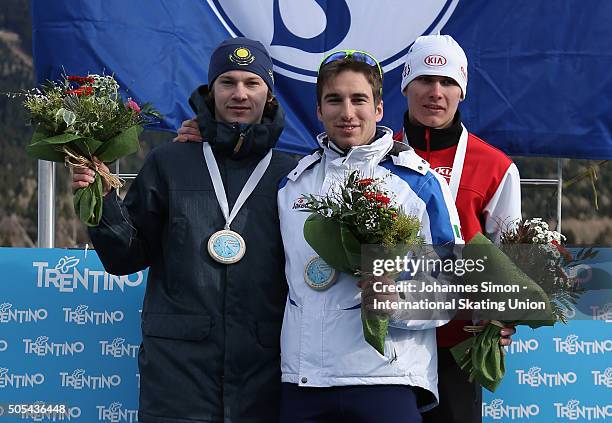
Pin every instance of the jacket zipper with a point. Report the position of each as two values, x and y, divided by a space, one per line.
239 143
427 139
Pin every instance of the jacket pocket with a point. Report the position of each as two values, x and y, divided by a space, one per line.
268 334
187 327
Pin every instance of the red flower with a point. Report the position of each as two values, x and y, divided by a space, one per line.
562 250
370 195
131 104
365 182
81 79
81 91
382 199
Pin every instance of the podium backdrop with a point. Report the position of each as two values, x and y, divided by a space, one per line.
70 333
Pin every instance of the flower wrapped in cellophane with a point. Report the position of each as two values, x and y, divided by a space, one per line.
82 117
532 258
357 212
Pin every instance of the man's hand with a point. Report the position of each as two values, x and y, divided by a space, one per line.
505 332
374 288
189 132
82 177
506 335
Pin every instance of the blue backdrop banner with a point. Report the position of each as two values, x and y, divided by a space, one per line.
70 336
539 71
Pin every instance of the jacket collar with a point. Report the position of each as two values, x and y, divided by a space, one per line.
374 152
257 139
439 139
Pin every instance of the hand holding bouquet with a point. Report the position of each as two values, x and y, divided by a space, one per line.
81 118
534 260
359 211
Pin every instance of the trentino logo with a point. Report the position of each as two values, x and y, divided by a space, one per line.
574 411
18 381
535 378
522 346
117 348
299 33
602 378
82 316
115 414
602 313
79 380
497 410
9 314
42 347
572 346
66 277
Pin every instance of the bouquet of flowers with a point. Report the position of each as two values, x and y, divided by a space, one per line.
359 212
81 117
534 259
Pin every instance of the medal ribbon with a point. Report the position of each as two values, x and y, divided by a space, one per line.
458 163
457 169
251 183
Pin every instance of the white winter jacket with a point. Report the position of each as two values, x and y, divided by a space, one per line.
322 341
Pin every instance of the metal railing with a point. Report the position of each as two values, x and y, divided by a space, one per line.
46 198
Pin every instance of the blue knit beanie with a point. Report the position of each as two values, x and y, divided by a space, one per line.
241 54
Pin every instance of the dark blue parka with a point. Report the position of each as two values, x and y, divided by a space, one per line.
210 349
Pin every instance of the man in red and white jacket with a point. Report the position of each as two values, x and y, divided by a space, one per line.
483 181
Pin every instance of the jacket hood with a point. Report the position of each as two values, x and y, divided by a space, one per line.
224 138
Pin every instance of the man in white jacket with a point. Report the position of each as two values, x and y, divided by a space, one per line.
329 372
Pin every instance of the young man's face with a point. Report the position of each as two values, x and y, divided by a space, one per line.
240 97
433 101
347 109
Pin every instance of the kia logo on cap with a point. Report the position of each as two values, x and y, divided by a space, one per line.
435 60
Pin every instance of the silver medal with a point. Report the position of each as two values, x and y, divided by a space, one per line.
226 246
318 274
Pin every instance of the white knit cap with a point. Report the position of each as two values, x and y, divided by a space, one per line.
437 55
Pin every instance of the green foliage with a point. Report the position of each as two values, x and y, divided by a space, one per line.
88 107
364 206
539 253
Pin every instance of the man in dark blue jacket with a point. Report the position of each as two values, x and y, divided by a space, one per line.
203 218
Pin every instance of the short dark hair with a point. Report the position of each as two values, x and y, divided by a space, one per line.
332 69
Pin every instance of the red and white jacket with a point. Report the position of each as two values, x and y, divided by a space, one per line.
486 187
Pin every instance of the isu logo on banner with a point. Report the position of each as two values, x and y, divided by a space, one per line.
298 33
